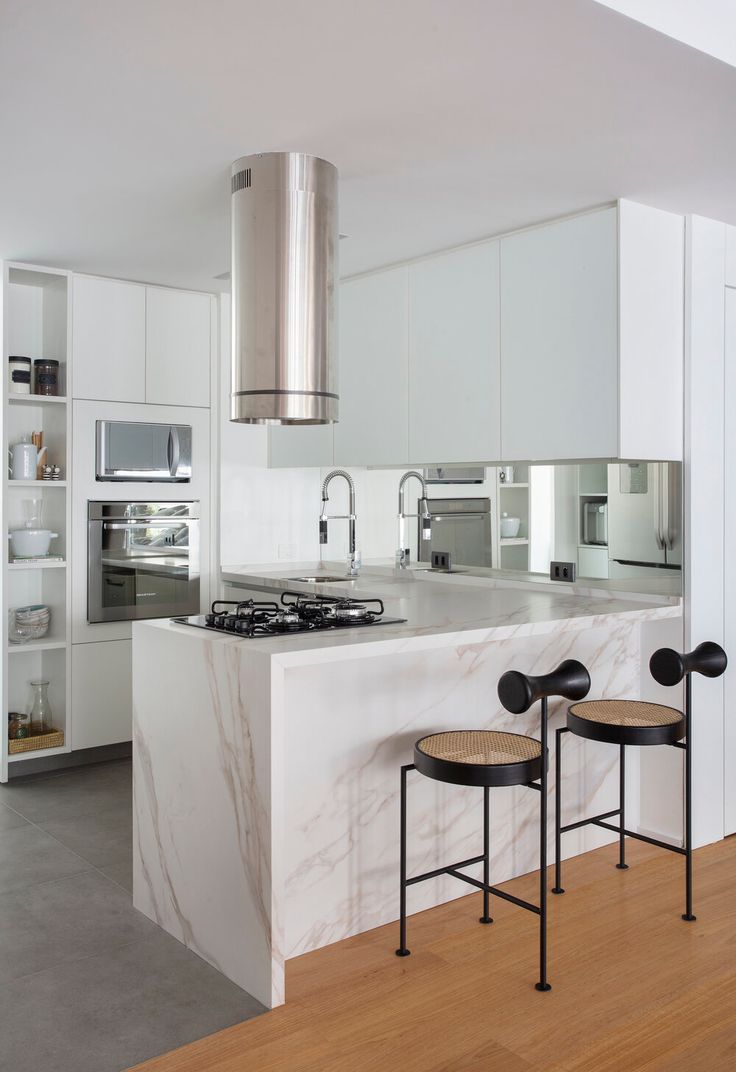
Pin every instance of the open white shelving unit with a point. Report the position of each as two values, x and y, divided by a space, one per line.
513 499
36 322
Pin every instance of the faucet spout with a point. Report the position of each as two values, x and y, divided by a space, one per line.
324 517
402 554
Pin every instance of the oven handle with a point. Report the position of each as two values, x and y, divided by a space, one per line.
171 523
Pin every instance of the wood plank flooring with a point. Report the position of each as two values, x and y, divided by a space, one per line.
634 987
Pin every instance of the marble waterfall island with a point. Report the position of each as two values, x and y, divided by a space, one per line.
266 771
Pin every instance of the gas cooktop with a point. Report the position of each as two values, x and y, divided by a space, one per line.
296 614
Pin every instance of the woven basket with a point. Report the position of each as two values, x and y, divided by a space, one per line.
54 739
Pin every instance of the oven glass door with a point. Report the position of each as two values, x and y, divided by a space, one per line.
143 568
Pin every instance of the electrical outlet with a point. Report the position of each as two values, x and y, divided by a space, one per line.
441 560
562 571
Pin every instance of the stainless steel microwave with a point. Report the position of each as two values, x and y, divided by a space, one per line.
134 450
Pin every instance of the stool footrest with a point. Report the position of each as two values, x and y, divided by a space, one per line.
641 837
585 822
496 892
450 869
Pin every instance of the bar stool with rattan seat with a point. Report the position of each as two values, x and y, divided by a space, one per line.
490 758
635 722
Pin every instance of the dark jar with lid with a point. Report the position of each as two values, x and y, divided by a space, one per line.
47 376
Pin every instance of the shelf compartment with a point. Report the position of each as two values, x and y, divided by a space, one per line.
514 541
49 665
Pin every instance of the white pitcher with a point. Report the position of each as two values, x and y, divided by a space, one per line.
24 460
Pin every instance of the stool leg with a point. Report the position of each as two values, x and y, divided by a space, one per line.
402 951
543 984
486 918
688 913
622 865
557 888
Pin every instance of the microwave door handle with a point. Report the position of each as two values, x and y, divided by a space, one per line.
665 506
656 473
173 450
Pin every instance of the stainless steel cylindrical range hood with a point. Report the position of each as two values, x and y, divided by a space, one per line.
284 257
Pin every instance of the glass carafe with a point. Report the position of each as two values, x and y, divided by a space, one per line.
40 708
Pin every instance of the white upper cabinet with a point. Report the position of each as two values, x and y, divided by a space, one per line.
373 370
558 340
454 388
178 333
592 337
108 339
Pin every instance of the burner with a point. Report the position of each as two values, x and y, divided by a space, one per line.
347 611
285 620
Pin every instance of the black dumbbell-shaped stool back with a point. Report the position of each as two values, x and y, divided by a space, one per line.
491 758
626 722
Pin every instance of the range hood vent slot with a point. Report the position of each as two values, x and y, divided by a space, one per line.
241 181
284 279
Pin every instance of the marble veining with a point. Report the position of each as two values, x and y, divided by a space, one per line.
267 772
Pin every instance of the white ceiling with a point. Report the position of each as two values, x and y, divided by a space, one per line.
448 121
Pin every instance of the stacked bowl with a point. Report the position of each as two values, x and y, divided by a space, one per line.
33 621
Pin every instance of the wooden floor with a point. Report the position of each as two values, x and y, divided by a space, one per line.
634 987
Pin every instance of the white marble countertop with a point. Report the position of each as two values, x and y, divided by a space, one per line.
438 610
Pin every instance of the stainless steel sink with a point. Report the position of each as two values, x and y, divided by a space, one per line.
323 578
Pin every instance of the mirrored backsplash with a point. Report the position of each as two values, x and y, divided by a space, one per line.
614 522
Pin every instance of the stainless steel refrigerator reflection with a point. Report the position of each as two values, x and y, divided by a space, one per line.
644 517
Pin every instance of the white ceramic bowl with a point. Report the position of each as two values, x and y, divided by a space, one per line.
28 543
510 527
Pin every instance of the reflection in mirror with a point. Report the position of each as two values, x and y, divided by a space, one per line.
620 523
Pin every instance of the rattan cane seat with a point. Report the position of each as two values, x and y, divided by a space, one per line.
626 722
479 757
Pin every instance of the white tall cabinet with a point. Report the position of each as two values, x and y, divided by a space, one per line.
135 343
109 318
127 351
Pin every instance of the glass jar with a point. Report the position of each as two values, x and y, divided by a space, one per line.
18 632
40 708
18 726
19 372
46 376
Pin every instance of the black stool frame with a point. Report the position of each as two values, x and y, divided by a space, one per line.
667 667
517 692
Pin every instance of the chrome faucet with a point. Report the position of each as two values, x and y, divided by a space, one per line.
324 517
402 554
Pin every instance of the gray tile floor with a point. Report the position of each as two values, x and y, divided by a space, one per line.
87 984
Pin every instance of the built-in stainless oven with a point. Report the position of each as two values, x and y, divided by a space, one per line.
462 527
142 560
